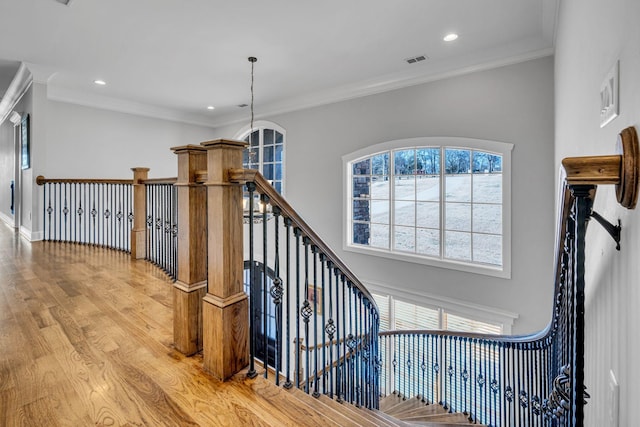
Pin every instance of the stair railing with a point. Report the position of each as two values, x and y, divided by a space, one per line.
534 380
105 212
95 212
162 224
312 298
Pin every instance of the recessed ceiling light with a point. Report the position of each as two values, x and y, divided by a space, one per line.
450 37
211 107
100 82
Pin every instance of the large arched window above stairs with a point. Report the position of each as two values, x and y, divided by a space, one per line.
436 201
266 151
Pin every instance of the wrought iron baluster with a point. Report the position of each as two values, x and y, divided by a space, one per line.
331 329
264 200
339 379
287 224
306 313
314 251
252 287
297 233
326 346
276 294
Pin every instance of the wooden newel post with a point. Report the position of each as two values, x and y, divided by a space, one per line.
191 282
139 231
225 309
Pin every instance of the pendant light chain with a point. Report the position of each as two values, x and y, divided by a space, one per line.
253 60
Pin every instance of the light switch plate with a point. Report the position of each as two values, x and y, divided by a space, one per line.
609 95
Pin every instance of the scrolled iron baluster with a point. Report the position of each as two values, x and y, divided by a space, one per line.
330 329
306 312
314 251
277 292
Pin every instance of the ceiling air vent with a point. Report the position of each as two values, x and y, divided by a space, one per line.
415 59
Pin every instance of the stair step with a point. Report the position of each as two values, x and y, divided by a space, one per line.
430 409
390 400
281 402
406 405
330 413
454 417
360 414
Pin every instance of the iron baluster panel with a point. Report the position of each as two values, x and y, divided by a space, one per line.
82 212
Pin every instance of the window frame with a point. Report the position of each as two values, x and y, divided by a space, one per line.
500 148
261 126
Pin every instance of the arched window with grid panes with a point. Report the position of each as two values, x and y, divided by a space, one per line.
436 201
266 152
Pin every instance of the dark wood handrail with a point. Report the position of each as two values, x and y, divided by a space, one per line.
152 181
41 180
242 176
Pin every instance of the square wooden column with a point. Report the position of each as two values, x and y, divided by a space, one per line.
191 282
139 230
225 309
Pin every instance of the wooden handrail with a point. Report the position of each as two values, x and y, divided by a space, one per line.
242 176
41 180
151 181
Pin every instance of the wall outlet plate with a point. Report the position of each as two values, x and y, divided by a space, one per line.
613 400
609 95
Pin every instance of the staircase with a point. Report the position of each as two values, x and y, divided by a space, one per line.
295 407
416 411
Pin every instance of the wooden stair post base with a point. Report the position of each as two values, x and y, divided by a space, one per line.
225 349
187 317
191 281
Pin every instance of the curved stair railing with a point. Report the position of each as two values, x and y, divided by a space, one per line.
89 211
314 322
103 212
534 380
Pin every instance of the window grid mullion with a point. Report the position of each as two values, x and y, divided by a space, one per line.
415 200
392 200
472 206
443 191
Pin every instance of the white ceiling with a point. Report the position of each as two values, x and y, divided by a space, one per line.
173 58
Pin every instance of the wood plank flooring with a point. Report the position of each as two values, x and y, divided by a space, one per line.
86 340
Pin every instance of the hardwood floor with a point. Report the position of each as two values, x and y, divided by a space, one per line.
86 339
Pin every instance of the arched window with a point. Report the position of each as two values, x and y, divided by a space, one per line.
266 152
438 201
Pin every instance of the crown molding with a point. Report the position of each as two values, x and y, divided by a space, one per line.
305 101
16 90
71 96
375 86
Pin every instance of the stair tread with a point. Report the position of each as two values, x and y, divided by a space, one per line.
280 403
330 413
390 400
406 405
454 417
358 413
427 409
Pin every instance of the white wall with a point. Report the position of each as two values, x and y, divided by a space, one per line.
72 141
6 169
592 35
107 144
510 104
